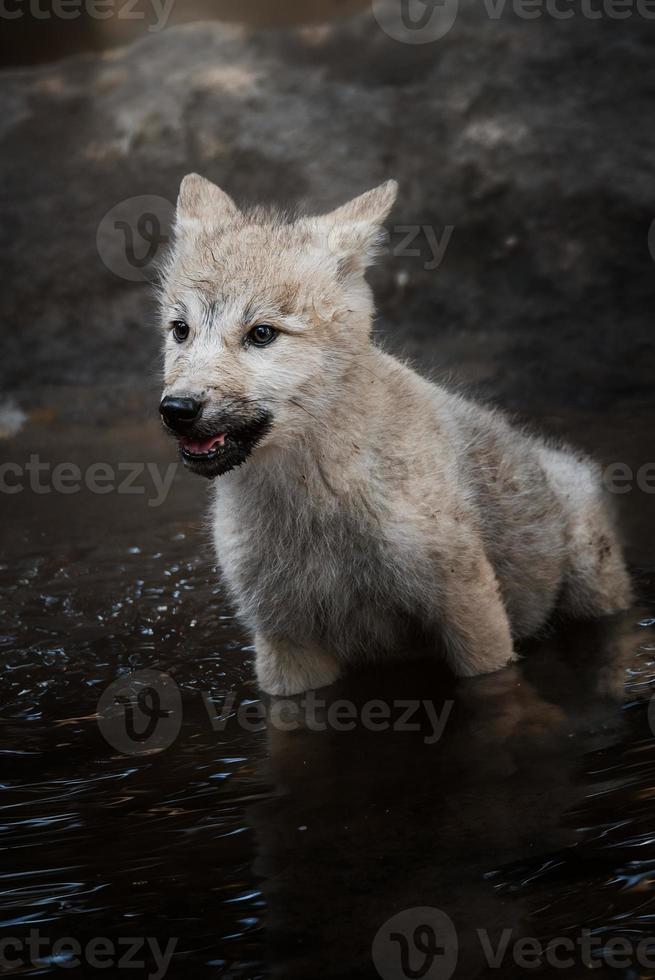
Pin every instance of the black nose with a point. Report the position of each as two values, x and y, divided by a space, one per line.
179 412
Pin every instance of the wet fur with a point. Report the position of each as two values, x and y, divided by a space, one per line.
379 510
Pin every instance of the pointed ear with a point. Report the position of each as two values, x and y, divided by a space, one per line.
372 207
202 203
354 229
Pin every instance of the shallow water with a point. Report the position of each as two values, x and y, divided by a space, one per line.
264 852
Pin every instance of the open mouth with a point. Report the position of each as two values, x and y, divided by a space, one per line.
202 449
212 454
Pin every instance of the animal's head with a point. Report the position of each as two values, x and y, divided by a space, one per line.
262 317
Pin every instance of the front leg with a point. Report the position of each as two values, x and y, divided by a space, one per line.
285 668
477 632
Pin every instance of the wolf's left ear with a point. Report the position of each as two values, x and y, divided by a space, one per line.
354 231
202 203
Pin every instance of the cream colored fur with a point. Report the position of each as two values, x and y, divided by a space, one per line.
380 512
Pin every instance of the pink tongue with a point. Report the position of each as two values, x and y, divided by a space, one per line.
199 446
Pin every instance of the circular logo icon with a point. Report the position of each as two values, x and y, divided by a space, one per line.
141 712
416 21
417 944
132 234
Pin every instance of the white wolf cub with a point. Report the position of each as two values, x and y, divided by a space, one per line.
361 510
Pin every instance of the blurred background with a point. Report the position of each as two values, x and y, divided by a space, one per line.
37 37
525 142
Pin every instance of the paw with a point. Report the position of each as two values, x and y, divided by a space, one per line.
285 670
472 663
621 599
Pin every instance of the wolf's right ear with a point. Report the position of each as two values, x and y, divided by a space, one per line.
202 203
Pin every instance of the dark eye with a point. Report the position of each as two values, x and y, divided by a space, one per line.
180 330
262 335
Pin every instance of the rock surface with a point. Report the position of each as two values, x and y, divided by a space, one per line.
533 139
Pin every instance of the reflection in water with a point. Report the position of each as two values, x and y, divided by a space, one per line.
501 824
281 853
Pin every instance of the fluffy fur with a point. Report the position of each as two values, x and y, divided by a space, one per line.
379 510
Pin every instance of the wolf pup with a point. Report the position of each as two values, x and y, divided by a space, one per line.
360 508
